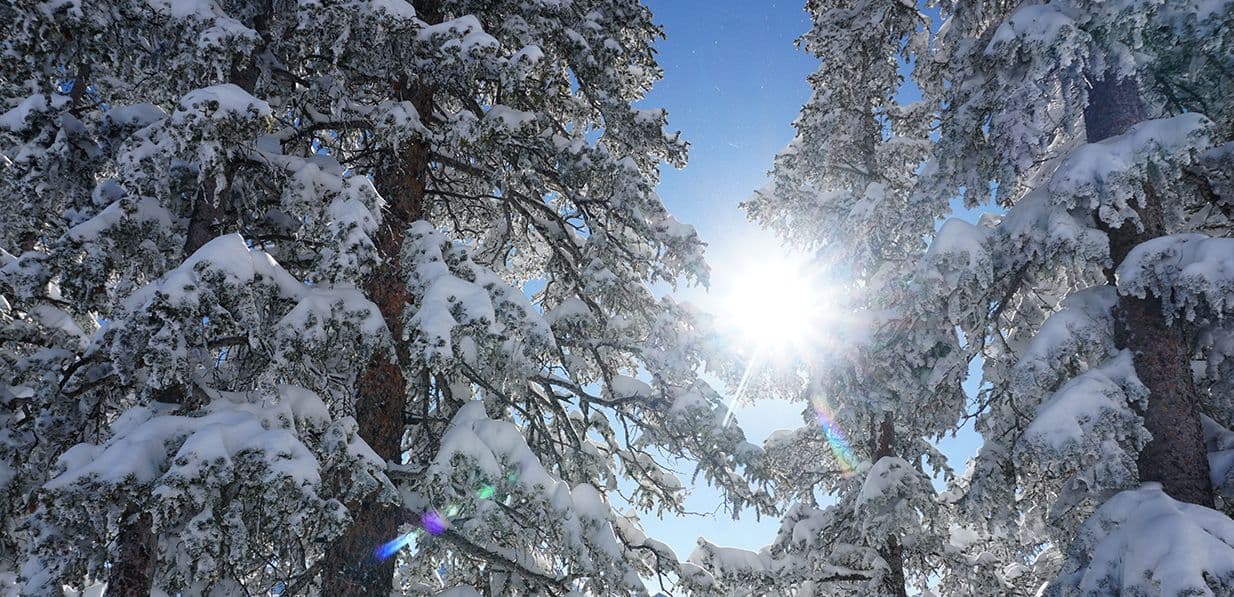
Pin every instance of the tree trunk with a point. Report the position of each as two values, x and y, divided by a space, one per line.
892 552
132 570
350 566
1176 456
132 573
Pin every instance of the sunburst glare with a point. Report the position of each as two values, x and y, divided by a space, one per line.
776 305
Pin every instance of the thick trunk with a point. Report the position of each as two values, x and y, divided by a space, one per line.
1175 457
350 567
892 552
132 570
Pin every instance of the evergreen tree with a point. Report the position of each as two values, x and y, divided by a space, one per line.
286 281
1103 129
1097 297
844 190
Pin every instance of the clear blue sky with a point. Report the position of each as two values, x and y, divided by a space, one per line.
733 83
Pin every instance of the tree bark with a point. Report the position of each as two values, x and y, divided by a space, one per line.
1176 456
381 390
132 570
132 573
892 552
350 566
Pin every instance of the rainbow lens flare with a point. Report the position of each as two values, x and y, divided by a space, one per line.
434 522
390 548
835 436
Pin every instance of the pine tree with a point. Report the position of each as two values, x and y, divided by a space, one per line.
844 190
294 281
1102 130
1097 296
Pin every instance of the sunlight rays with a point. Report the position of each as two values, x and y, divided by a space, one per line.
777 308
777 305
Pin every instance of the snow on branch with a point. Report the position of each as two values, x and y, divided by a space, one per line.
1088 434
227 290
1076 337
1192 274
1110 178
211 477
465 311
1142 542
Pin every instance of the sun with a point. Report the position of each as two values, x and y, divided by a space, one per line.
777 304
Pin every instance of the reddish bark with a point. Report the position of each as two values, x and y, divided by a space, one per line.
1176 456
892 552
350 567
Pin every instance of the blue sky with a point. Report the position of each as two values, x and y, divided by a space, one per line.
733 83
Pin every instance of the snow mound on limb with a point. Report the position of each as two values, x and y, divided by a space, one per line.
227 289
1143 542
22 115
224 433
1037 231
1192 273
463 308
463 37
218 102
814 553
477 451
1041 25
1077 336
493 448
1087 403
1041 36
958 267
1084 439
213 477
134 116
1110 176
459 591
733 561
895 499
1105 181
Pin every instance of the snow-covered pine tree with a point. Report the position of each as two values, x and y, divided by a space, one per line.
1106 129
843 190
263 302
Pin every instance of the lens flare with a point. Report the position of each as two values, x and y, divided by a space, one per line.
390 548
434 522
835 436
